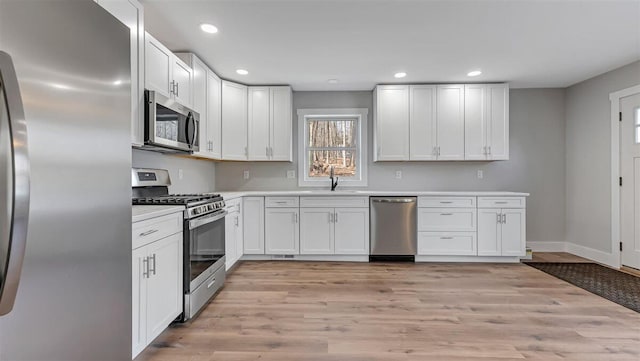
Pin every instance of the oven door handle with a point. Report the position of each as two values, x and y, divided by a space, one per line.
206 220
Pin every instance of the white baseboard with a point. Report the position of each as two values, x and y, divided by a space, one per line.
593 254
547 246
470 259
299 257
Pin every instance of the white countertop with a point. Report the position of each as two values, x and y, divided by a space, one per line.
297 193
141 213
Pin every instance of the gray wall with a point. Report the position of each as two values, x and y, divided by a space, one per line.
198 175
536 162
588 156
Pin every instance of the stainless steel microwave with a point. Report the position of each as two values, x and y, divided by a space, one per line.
169 126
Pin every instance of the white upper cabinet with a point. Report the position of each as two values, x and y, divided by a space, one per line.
206 95
391 119
131 13
498 121
280 116
450 122
234 121
270 127
259 127
213 145
450 118
422 119
486 122
165 73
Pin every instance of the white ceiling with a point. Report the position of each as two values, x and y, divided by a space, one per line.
362 43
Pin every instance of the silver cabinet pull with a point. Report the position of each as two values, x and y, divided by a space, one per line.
446 214
501 202
144 234
266 151
211 283
330 217
145 267
446 202
335 217
153 270
177 90
173 87
489 150
16 208
246 152
237 223
504 218
446 237
295 217
499 216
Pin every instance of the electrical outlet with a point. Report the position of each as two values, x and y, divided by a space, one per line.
180 174
480 174
291 174
246 174
398 174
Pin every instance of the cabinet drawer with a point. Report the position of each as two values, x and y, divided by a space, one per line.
278 202
446 219
154 229
351 202
233 205
501 202
447 243
447 202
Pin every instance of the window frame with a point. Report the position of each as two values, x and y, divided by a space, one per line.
360 116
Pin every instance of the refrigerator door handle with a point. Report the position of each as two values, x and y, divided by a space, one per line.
16 185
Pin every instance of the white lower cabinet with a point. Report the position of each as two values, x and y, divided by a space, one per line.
233 233
253 225
157 293
501 232
281 231
317 231
447 243
351 231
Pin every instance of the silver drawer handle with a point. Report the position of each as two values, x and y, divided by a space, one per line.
446 237
446 214
447 202
501 202
212 283
281 202
144 234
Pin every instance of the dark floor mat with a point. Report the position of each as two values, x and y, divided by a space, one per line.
619 287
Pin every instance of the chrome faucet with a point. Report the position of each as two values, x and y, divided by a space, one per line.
334 184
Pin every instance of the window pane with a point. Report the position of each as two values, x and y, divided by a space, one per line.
332 133
343 161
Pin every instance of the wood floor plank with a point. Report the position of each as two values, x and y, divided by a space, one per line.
322 311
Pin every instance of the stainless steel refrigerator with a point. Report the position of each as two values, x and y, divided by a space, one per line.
65 187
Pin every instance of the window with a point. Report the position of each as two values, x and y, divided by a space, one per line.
332 139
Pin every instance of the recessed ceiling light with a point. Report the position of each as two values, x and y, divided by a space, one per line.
242 72
208 28
332 81
400 75
474 73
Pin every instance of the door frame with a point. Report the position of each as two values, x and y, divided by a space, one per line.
616 224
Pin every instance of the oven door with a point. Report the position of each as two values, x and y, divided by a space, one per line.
169 124
204 248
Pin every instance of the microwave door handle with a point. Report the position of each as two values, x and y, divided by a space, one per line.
190 140
16 211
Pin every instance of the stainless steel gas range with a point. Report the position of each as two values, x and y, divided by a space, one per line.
204 232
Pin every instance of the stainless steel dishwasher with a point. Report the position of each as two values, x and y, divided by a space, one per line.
394 230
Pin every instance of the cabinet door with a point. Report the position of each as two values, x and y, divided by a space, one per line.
131 13
234 121
139 301
392 122
513 232
200 101
258 123
475 122
282 235
422 103
230 239
489 232
253 225
450 122
316 231
214 116
498 120
164 285
352 231
281 128
182 78
239 233
157 69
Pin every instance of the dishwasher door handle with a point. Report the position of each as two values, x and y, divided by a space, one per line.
394 200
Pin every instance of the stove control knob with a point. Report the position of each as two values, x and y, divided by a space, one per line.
196 211
210 207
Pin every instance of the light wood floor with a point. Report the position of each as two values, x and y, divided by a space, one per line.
295 311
